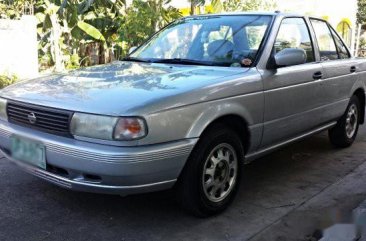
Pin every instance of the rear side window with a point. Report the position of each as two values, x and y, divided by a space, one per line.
294 33
327 47
342 49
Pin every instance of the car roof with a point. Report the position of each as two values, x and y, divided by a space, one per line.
276 13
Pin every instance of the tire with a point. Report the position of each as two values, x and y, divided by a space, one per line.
344 133
195 189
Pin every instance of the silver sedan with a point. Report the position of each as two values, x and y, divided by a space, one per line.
186 109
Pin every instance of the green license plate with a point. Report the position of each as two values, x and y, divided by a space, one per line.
28 151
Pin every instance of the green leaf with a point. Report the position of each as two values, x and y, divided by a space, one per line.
91 31
89 16
84 6
74 16
62 7
47 24
77 33
40 17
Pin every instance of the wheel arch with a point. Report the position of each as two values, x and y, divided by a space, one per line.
236 123
243 119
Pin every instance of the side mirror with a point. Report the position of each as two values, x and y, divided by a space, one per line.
290 57
132 49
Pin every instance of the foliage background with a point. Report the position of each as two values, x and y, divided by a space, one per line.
74 33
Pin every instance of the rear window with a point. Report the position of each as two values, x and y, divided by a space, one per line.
327 47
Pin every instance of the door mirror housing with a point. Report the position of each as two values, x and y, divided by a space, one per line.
290 57
132 49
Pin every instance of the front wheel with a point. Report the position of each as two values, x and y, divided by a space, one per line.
344 133
210 179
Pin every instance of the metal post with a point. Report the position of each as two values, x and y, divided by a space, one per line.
353 40
358 39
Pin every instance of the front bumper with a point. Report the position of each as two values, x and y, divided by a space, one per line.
84 166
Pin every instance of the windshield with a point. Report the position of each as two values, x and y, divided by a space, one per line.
212 40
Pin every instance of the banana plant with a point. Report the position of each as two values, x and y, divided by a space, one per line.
69 22
143 19
161 15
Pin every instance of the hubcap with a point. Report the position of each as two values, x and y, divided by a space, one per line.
220 172
351 121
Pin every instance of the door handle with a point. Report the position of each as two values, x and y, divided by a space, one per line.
317 75
353 69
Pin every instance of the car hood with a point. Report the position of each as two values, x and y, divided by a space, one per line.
121 88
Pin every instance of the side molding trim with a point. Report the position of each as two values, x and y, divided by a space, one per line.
267 150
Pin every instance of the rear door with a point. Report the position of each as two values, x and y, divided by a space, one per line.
339 69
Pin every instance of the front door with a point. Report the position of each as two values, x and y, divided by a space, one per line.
291 93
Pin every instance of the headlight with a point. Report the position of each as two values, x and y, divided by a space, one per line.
3 114
108 128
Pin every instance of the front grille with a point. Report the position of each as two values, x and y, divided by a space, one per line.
46 119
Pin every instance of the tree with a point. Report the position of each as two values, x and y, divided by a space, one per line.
13 9
248 5
344 29
143 19
216 6
66 24
195 4
361 13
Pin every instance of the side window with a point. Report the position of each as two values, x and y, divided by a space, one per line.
327 47
294 33
342 49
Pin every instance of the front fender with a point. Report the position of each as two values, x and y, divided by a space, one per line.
240 106
190 121
213 112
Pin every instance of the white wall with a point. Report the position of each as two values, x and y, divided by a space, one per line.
180 3
18 47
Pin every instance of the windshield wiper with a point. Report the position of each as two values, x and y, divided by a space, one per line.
183 61
134 59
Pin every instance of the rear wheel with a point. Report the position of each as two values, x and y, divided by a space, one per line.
210 179
344 133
